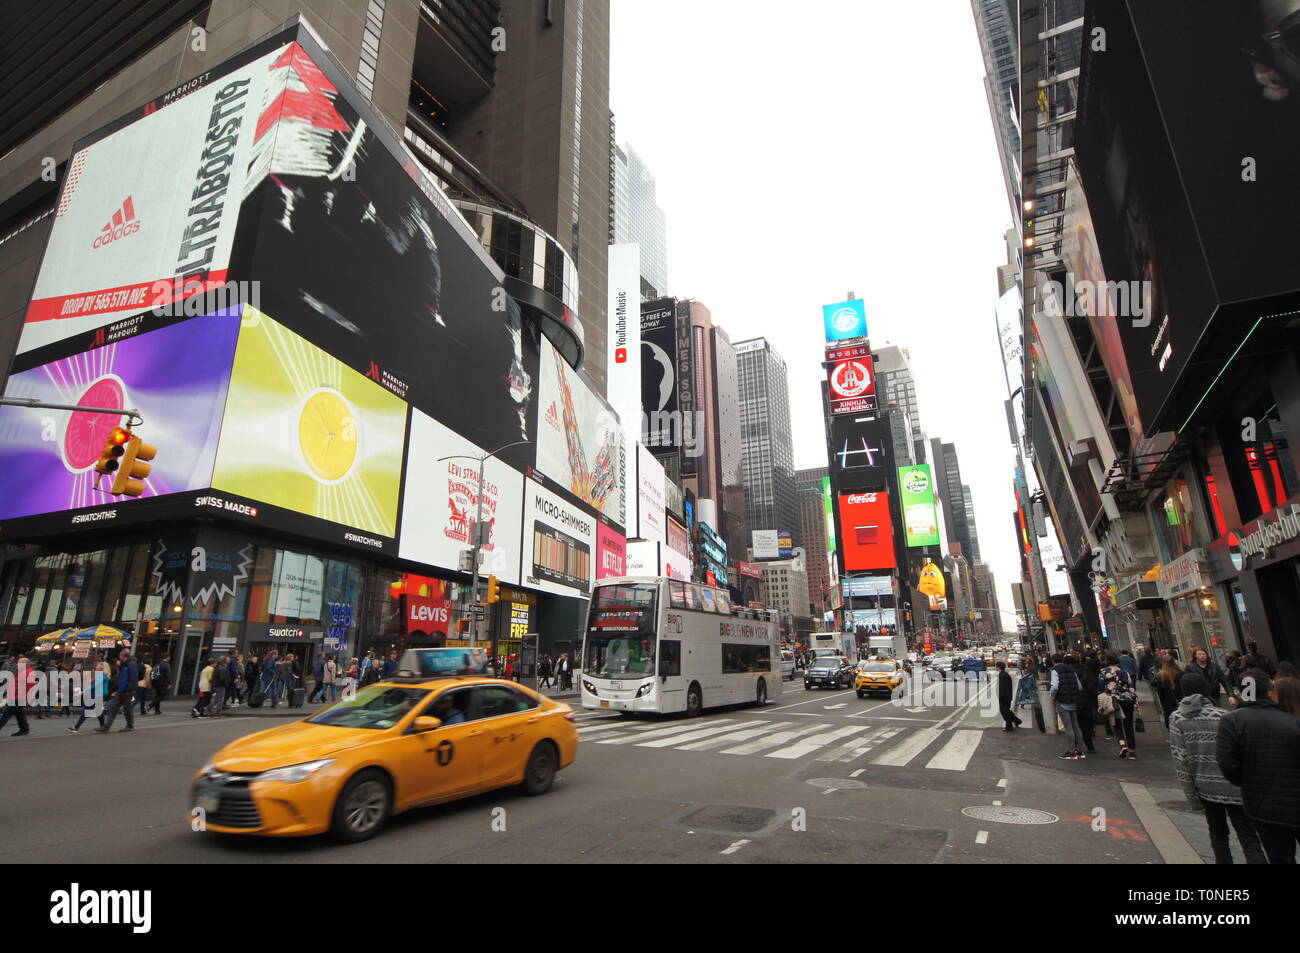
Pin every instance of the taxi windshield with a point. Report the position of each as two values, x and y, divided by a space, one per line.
875 667
375 706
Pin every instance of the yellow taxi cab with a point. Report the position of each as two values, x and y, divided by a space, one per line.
406 742
878 675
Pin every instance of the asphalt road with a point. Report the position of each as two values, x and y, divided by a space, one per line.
815 776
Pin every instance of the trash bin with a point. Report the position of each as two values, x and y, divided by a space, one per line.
1049 708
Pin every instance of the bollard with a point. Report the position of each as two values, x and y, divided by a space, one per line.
1049 708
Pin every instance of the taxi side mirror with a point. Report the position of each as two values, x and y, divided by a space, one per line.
426 723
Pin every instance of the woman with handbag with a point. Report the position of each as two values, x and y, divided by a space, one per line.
1117 698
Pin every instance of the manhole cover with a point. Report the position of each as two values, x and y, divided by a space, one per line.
722 817
840 784
1009 815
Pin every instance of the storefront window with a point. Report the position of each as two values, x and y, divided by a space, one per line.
115 577
1173 520
133 592
288 587
1197 625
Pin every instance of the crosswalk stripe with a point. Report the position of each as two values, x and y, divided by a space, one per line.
744 734
860 746
658 732
688 737
813 742
908 749
772 741
956 754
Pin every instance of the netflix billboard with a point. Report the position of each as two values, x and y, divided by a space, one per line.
851 380
868 531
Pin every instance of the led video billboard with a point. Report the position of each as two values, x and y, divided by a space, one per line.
845 320
579 441
175 376
868 531
659 367
858 453
916 497
851 380
305 432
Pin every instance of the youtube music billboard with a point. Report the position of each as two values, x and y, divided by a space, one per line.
868 531
361 298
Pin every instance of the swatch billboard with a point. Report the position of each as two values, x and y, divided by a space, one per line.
176 376
868 530
916 497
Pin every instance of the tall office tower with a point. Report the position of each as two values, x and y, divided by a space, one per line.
902 436
638 218
896 385
543 133
995 22
519 142
952 496
767 446
973 553
986 598
808 487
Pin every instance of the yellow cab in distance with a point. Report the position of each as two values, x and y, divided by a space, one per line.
877 675
405 742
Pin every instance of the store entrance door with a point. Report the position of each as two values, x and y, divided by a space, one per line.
304 657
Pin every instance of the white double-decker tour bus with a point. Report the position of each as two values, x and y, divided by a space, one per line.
663 645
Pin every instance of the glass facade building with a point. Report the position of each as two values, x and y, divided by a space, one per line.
767 443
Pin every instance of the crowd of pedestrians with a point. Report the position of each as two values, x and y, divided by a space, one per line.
1233 730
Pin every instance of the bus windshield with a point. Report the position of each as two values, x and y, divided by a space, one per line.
617 656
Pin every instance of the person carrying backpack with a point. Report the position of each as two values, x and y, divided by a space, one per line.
1120 703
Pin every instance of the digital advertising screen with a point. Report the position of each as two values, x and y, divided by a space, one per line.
146 201
858 453
659 367
559 543
611 552
176 376
579 440
355 248
851 380
845 320
868 530
305 432
441 501
916 496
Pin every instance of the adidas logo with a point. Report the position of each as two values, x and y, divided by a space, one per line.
552 415
122 224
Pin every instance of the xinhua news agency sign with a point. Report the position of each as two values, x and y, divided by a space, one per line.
916 492
845 321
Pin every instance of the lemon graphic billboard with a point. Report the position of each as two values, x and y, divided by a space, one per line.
305 432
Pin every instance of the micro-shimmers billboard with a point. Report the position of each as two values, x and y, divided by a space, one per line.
868 531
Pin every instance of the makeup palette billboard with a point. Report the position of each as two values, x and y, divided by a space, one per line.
176 376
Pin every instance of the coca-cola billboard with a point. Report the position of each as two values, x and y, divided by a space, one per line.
868 531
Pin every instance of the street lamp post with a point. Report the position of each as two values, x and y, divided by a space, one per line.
478 522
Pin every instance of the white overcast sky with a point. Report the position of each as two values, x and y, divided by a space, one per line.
804 151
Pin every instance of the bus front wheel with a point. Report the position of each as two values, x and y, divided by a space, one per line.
694 702
762 693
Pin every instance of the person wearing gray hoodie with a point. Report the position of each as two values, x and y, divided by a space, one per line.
1193 734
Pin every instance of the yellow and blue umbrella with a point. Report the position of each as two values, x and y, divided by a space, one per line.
58 635
104 636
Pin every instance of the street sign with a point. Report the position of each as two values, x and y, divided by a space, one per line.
478 610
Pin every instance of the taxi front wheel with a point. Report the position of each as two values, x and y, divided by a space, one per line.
362 808
540 770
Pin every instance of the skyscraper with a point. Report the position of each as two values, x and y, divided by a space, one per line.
808 487
638 218
896 385
954 497
767 447
995 21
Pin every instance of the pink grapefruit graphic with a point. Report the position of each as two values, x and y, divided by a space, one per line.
87 433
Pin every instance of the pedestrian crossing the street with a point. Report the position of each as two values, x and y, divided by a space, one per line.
929 746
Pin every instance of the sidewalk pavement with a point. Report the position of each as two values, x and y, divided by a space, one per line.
1152 774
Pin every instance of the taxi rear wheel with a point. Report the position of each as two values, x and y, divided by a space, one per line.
539 773
362 808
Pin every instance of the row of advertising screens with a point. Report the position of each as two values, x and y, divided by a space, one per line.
370 360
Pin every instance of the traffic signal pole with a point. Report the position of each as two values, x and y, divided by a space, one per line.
133 418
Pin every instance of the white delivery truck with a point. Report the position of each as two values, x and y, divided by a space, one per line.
887 646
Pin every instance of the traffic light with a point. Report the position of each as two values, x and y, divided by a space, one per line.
493 589
133 468
462 626
110 457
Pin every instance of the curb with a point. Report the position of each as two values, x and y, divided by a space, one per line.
1165 836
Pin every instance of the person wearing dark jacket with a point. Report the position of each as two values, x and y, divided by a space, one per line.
1004 699
1254 658
162 683
1258 749
1205 666
124 682
1067 691
1089 671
